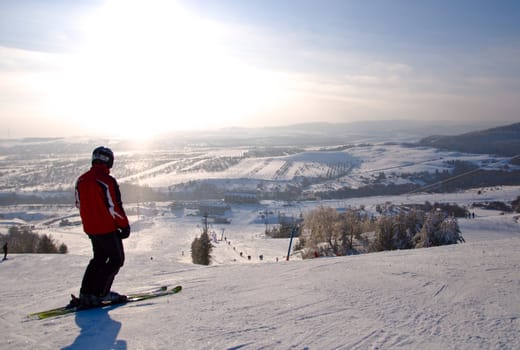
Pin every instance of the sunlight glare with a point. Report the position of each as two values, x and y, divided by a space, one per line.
151 67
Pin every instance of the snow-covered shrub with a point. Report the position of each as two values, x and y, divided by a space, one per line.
397 231
438 229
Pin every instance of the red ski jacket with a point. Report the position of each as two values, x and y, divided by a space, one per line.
99 201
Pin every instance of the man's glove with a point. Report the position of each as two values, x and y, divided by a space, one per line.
123 232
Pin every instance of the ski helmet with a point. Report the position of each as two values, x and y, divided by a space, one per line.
104 155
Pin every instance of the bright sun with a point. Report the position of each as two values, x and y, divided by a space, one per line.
150 66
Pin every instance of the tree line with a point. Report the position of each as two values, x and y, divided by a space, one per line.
22 239
327 232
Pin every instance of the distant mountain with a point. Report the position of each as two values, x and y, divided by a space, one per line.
504 141
323 133
298 135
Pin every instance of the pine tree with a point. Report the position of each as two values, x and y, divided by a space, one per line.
516 205
201 247
62 249
46 245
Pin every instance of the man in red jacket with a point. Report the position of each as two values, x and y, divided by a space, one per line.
105 222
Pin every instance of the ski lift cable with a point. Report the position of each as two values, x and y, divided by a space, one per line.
459 176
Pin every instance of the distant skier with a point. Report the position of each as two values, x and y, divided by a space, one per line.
5 250
105 222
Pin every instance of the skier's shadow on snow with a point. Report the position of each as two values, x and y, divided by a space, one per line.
98 331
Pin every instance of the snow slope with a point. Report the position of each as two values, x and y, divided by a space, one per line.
464 296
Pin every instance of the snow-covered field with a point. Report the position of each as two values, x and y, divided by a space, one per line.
464 296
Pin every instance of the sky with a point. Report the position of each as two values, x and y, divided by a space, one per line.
138 68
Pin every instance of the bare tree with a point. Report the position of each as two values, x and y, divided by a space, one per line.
322 225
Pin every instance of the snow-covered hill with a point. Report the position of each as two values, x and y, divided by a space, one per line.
464 296
47 171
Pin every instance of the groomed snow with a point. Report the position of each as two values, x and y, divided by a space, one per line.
464 296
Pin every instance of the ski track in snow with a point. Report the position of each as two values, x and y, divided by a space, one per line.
464 296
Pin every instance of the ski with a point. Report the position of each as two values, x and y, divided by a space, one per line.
133 297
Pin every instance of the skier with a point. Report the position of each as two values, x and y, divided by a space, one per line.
5 250
105 222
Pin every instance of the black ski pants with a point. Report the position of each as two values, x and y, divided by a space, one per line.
108 258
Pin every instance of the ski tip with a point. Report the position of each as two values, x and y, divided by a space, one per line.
32 317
